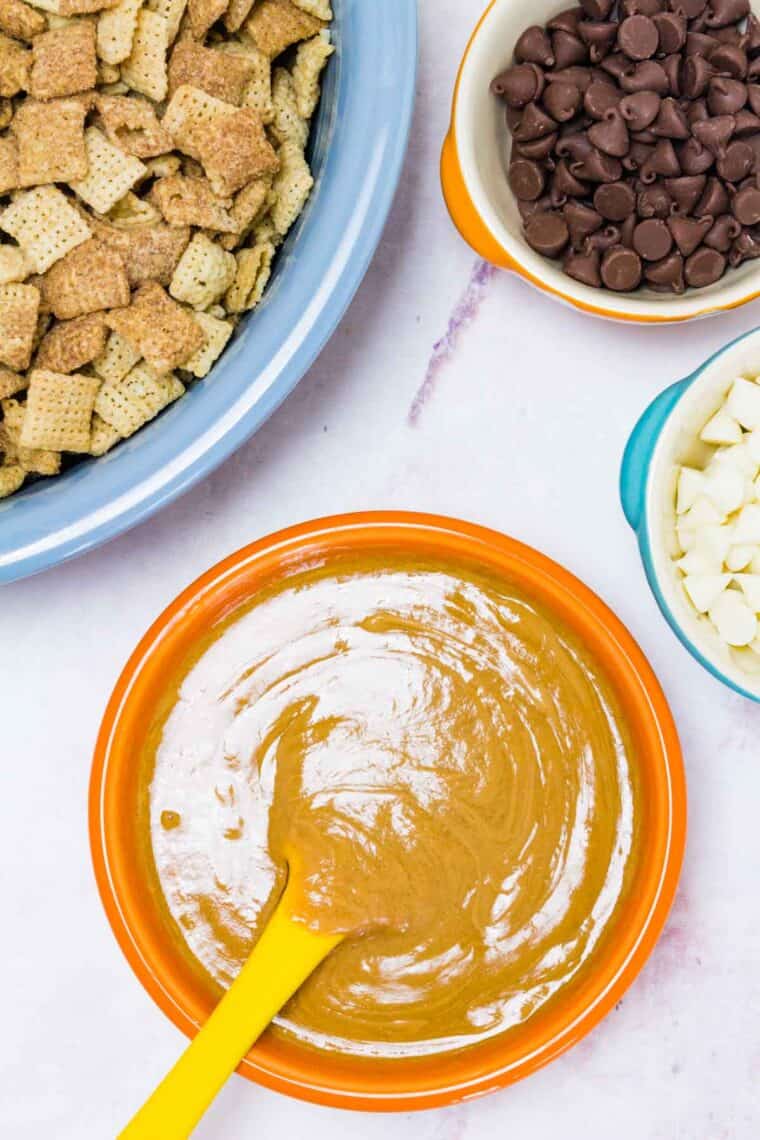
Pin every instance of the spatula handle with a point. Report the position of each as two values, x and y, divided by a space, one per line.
284 957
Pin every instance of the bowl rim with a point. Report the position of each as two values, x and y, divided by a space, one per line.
442 1079
713 372
481 227
134 482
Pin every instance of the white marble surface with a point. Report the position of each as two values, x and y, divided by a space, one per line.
523 427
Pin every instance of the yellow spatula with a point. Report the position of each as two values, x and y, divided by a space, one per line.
285 955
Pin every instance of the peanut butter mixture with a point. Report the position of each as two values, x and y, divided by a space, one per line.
455 773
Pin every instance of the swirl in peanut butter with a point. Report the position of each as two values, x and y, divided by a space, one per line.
452 767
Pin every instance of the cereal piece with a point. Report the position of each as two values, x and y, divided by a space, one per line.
319 8
20 21
11 383
50 139
13 265
19 306
112 172
190 108
191 202
149 253
249 206
90 278
116 359
11 478
64 61
102 436
235 150
108 74
15 63
131 212
145 69
162 167
165 333
254 268
129 403
8 165
131 124
287 123
36 461
72 344
6 111
276 24
205 272
236 14
116 31
172 11
45 225
59 410
221 74
292 186
83 7
258 93
204 13
217 334
311 58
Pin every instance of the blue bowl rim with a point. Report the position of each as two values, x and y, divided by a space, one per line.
25 551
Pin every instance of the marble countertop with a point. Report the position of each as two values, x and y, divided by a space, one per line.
451 388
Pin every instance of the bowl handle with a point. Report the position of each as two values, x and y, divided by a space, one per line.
639 451
463 213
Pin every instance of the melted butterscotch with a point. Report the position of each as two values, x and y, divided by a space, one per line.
455 772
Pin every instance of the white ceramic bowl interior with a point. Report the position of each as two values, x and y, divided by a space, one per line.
679 444
483 146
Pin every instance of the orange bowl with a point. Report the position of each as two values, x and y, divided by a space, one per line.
134 912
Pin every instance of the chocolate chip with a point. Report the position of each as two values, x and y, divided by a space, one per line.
726 96
697 43
640 110
715 134
654 202
581 222
568 50
604 239
737 162
704 267
547 234
535 124
696 75
627 229
752 35
671 29
723 12
621 269
534 46
599 36
745 248
537 148
597 9
689 233
519 85
746 206
638 37
615 201
617 65
526 179
668 273
642 7
694 158
731 60
562 101
584 267
540 206
671 122
686 192
611 134
652 239
565 184
746 123
689 8
714 201
723 234
580 77
646 76
672 65
566 21
663 160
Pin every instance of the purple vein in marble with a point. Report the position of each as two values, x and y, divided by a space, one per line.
463 314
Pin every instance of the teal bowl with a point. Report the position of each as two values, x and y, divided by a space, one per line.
666 436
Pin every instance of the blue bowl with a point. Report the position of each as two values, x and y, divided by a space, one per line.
357 152
647 494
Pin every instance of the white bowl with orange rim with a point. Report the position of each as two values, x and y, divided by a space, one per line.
483 207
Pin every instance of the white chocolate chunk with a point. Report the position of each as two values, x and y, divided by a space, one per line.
714 543
703 513
691 485
695 562
722 428
739 557
725 487
733 619
738 456
747 531
704 590
750 587
743 403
